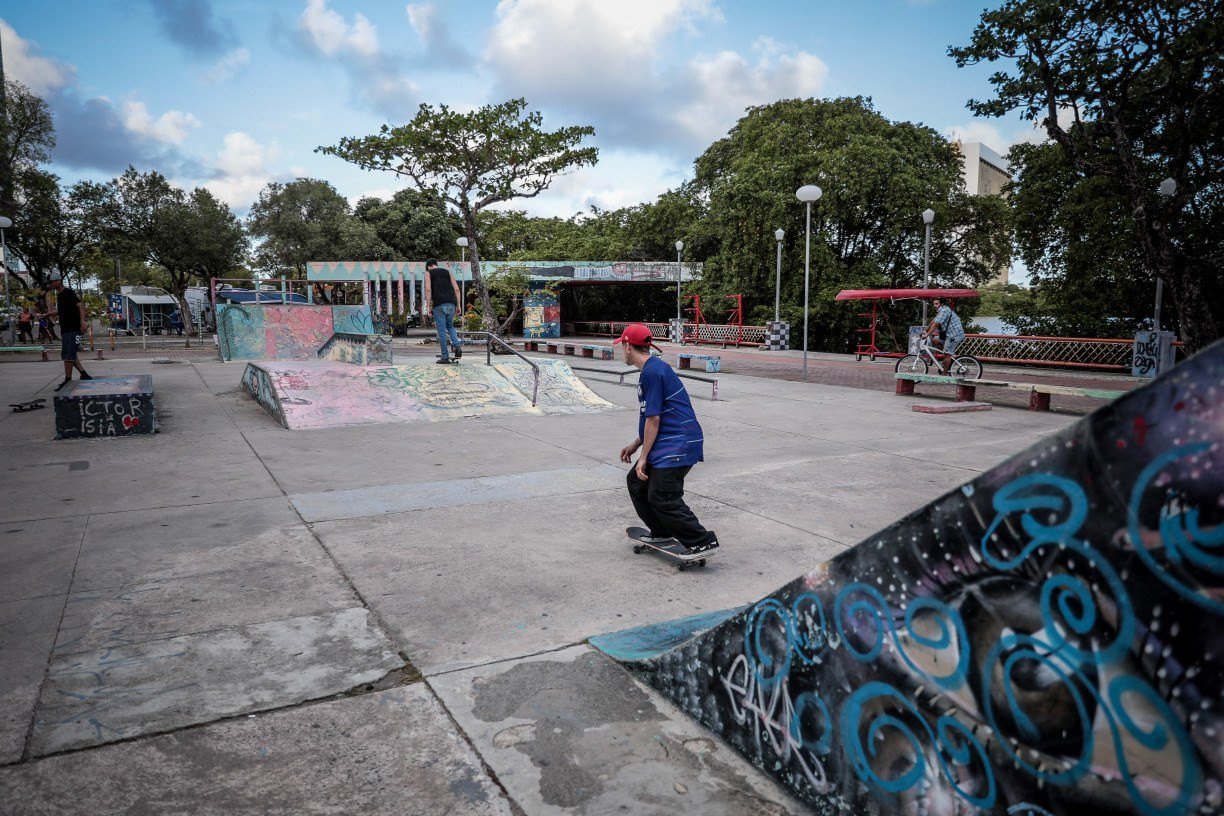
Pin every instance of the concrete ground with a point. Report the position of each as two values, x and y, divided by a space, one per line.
232 617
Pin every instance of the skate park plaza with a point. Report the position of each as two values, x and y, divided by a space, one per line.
340 578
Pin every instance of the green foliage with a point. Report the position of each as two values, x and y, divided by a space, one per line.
57 227
1130 92
473 159
414 225
307 220
867 230
27 136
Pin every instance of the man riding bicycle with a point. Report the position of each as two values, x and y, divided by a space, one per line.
947 324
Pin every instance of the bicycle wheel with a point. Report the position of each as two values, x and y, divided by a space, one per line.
967 367
911 364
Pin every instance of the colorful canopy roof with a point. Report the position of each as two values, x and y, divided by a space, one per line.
894 294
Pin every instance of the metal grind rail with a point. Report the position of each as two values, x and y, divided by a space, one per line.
490 339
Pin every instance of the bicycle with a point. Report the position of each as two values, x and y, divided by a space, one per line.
966 367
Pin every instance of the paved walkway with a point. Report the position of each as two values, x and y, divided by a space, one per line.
230 617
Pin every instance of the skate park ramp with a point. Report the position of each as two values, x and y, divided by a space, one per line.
561 392
1046 639
297 332
314 394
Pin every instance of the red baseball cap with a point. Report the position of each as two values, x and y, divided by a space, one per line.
636 334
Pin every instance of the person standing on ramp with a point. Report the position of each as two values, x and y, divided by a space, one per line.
442 293
670 441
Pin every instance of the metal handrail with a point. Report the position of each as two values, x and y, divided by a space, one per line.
490 339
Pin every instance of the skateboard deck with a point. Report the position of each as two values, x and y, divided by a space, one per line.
673 549
18 407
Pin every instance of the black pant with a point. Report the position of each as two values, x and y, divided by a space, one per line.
659 502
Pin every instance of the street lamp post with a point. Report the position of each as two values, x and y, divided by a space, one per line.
679 249
462 243
928 216
778 236
1166 189
807 194
7 223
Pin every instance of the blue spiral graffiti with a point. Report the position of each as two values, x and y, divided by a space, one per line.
809 629
1070 596
1185 543
806 700
868 605
1160 736
770 666
950 740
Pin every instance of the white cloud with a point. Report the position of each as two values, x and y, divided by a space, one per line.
227 66
613 65
22 62
440 47
356 47
990 135
171 127
242 170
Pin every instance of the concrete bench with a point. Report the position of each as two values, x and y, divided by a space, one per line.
570 349
602 352
18 349
552 348
966 390
531 345
712 363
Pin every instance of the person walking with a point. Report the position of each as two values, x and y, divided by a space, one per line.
947 324
442 296
71 313
25 325
668 444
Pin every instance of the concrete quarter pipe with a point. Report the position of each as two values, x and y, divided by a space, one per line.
1048 639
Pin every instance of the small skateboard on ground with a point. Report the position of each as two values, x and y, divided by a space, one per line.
18 407
671 548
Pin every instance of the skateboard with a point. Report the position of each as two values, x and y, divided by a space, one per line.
674 549
18 407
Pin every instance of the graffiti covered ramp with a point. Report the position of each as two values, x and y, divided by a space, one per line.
561 392
327 395
1047 639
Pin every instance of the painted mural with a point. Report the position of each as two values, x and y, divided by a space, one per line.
106 406
1047 639
273 332
560 392
358 349
541 315
323 394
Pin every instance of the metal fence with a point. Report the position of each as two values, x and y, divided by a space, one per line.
1107 354
707 332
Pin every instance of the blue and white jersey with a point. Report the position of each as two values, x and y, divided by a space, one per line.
661 394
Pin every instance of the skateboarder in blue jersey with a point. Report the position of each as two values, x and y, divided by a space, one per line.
670 441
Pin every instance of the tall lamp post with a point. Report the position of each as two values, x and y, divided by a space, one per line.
462 243
679 249
778 236
1166 189
807 194
928 217
7 223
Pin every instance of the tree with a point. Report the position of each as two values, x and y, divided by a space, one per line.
867 232
1130 91
307 220
413 224
58 227
493 154
189 235
27 136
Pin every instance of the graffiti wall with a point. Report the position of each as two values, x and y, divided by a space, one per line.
1047 639
326 394
106 406
358 349
272 332
541 315
560 390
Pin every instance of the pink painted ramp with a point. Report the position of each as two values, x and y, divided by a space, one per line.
312 394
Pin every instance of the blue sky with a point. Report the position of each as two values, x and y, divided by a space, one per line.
232 94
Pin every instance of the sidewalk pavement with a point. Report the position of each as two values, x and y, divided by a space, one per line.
231 617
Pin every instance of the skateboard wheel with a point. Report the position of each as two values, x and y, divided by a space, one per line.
681 567
638 549
701 563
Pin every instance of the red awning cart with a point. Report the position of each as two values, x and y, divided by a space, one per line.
867 347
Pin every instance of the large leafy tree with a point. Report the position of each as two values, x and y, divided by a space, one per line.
27 136
58 227
307 220
1130 91
867 231
473 159
414 224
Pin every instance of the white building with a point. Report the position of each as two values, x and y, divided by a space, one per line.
986 173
